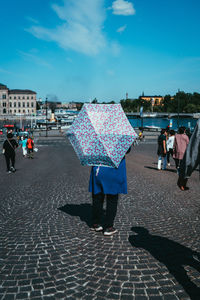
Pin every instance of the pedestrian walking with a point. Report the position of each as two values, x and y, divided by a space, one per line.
106 182
9 147
191 158
162 151
30 145
181 141
23 145
169 145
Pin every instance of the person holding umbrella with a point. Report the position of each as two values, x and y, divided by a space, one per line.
101 136
107 183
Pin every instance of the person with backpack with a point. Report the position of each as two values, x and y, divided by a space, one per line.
9 147
30 145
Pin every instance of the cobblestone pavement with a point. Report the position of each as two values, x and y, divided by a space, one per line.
47 250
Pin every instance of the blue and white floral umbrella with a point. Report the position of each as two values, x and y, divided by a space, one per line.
101 135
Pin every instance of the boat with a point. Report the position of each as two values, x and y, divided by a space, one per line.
151 128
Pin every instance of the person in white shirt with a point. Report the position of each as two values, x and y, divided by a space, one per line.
169 145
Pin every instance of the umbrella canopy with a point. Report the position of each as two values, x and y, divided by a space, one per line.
101 135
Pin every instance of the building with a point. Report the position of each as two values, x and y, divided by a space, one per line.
15 102
68 105
155 100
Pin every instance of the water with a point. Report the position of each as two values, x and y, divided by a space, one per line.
164 122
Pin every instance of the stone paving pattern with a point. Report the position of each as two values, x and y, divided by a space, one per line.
47 250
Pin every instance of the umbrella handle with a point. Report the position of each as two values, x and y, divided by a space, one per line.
97 170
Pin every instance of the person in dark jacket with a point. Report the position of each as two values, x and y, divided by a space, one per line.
106 182
191 158
162 150
9 147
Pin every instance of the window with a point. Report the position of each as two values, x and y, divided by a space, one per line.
32 110
14 110
4 96
4 111
10 104
23 104
23 110
31 97
15 104
19 104
10 98
32 104
28 97
14 97
18 97
23 97
27 104
4 104
28 110
11 111
19 110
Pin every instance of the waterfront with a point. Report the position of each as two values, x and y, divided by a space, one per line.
164 122
135 122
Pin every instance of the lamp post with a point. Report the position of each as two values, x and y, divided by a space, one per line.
46 116
20 121
141 116
178 109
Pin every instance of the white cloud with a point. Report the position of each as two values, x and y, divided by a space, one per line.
68 59
5 71
121 29
32 20
115 48
122 7
81 29
110 72
34 58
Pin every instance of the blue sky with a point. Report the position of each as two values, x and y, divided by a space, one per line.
76 50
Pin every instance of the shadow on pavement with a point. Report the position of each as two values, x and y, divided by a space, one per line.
173 255
83 211
168 170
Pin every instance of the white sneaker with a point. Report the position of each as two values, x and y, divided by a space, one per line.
110 231
97 228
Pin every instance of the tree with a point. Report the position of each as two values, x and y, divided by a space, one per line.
94 101
52 106
37 105
79 105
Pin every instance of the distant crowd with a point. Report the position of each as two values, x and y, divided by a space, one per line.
183 147
26 143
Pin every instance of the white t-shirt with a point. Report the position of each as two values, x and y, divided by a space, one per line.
170 142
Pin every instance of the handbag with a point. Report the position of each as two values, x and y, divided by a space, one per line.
3 151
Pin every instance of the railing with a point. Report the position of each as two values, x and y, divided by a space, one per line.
163 115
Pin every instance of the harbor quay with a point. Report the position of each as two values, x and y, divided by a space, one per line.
47 250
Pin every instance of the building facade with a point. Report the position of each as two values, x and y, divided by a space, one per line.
15 102
155 100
